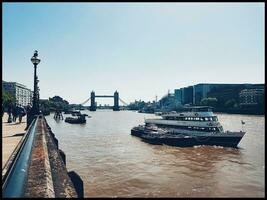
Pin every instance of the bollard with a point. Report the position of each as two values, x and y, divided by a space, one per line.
77 182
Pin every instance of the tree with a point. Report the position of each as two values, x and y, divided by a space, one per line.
8 99
230 103
209 102
54 103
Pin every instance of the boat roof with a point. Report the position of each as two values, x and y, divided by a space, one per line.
203 111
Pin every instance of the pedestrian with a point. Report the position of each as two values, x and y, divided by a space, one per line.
21 113
28 108
14 113
9 112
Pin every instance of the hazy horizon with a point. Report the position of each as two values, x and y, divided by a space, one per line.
142 50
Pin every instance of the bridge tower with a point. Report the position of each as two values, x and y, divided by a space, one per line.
116 101
93 104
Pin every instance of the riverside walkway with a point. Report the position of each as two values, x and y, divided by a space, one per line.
33 165
12 134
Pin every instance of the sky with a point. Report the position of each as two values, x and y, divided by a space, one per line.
142 50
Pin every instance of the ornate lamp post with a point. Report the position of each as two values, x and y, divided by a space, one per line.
35 104
35 101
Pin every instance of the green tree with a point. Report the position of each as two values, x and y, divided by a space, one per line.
54 103
231 103
8 99
209 102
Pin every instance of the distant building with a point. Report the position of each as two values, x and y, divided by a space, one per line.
201 90
251 97
222 92
187 95
178 95
22 94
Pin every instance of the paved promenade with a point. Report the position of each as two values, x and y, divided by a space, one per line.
11 135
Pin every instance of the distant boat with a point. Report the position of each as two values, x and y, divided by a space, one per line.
80 119
75 112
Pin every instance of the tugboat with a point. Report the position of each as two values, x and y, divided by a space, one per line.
197 126
80 119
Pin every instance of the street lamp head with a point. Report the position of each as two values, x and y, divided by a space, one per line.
35 60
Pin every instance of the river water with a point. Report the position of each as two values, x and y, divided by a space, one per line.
112 163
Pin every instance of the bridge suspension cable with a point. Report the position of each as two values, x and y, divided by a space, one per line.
86 101
123 102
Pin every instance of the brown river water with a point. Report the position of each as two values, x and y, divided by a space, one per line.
112 163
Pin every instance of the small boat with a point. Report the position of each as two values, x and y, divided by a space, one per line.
80 119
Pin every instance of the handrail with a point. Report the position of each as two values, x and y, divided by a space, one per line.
15 179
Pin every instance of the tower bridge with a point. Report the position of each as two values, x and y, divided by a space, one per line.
93 96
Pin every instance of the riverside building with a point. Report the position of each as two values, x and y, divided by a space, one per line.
22 94
251 96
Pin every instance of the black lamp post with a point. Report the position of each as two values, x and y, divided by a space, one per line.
35 101
35 104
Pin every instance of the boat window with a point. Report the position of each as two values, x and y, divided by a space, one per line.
215 118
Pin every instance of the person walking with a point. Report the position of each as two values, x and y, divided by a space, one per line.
21 113
9 112
14 113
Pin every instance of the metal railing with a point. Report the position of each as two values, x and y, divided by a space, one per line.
14 181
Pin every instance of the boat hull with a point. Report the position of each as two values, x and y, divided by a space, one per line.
189 141
75 121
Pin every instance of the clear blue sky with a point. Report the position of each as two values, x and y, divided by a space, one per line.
139 49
